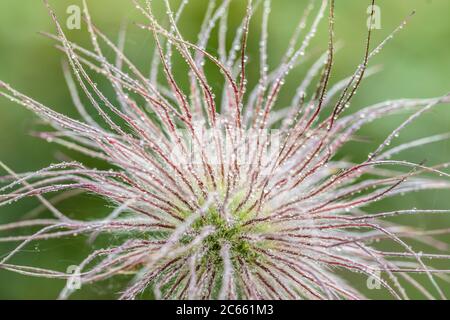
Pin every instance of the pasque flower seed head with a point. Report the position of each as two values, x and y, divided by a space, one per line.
223 193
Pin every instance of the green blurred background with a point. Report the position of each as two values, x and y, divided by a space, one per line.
416 64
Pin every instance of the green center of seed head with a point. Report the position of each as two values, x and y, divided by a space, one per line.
227 232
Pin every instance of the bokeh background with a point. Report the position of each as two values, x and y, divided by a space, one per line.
415 64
